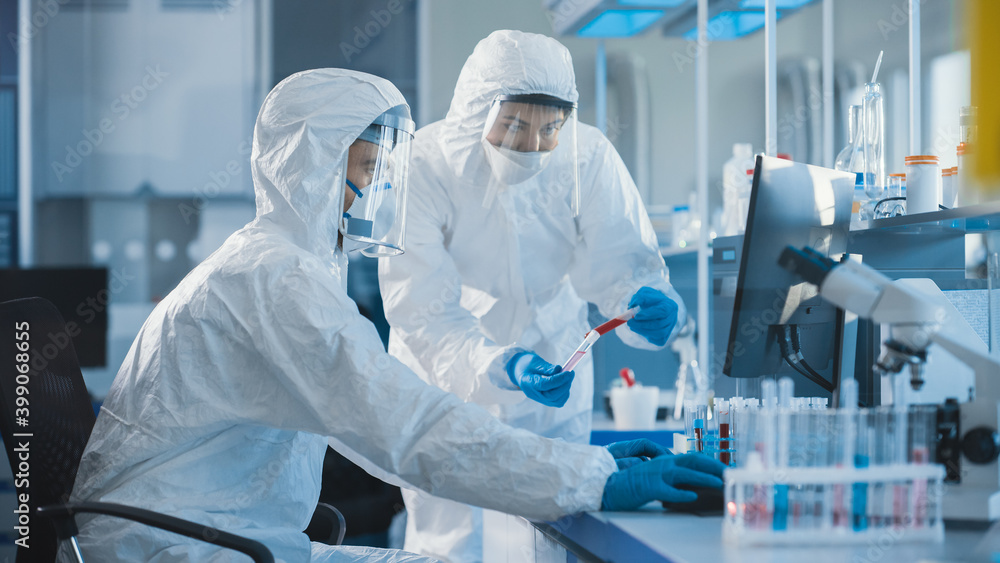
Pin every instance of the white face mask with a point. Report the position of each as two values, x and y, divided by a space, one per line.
512 167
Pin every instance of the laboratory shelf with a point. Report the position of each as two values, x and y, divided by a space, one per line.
970 219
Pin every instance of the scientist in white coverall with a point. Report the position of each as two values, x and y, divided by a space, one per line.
518 216
223 408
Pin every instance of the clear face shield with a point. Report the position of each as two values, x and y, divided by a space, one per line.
373 215
526 135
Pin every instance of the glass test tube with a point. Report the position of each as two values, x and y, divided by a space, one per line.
765 443
880 447
722 416
786 390
923 422
735 407
900 489
694 425
846 440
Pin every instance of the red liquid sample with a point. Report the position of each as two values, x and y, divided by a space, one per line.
724 444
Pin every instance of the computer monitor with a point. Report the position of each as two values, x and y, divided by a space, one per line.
81 296
780 325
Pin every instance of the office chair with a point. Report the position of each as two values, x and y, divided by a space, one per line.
327 525
39 373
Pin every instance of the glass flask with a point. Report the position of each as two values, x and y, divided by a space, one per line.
851 158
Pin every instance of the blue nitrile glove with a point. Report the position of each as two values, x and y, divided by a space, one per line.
656 317
655 479
629 453
541 381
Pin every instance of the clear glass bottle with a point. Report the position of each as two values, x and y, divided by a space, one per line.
873 140
851 158
968 129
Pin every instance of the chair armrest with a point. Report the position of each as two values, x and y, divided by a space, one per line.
62 517
327 525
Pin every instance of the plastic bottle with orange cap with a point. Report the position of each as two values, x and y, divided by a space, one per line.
923 184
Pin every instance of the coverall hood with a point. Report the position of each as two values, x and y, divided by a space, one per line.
506 62
303 132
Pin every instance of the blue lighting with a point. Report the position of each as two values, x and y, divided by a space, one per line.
779 4
730 25
620 23
652 3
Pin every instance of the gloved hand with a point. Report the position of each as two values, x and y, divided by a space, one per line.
629 453
656 317
655 479
540 380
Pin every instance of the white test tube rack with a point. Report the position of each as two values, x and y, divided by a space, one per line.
749 505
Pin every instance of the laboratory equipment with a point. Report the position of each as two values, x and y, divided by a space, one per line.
591 337
852 156
915 318
918 315
695 415
691 379
968 130
923 184
634 406
779 325
968 139
723 420
873 140
822 476
862 210
894 203
967 194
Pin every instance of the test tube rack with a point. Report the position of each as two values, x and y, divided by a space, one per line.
833 505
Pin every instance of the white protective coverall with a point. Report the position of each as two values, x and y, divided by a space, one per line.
477 282
221 411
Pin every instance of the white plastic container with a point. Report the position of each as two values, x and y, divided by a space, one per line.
634 408
923 184
967 193
736 189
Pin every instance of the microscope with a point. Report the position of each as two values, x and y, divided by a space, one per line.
917 314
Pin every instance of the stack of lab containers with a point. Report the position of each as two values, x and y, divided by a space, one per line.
801 473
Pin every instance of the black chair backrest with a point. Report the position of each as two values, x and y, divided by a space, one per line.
39 373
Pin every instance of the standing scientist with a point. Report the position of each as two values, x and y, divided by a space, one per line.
519 216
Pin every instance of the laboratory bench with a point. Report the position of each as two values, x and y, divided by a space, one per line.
652 534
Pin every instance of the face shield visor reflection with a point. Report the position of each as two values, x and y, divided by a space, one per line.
375 201
525 135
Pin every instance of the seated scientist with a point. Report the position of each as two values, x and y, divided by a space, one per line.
223 408
518 217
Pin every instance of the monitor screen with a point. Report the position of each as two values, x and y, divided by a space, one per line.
81 296
780 325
